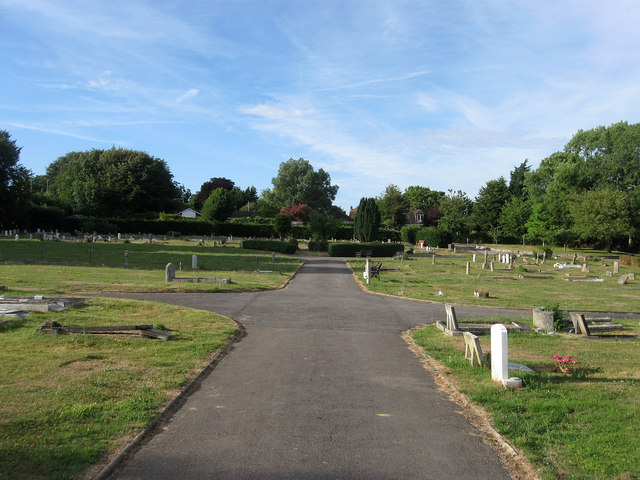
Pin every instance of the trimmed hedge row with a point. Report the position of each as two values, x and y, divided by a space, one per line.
344 249
271 245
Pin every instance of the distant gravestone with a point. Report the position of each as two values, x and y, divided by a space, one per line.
616 267
169 272
468 268
126 259
194 262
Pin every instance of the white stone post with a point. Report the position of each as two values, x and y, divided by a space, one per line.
468 268
367 271
499 353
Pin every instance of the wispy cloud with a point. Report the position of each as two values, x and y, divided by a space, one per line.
188 95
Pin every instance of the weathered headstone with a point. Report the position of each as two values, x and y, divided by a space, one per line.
543 319
474 258
126 259
17 237
491 265
616 267
499 353
169 272
273 257
119 236
452 321
194 262
468 268
433 259
623 280
367 271
472 349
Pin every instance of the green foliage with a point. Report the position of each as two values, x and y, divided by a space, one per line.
489 203
601 216
367 220
455 209
208 187
282 225
408 233
421 198
297 182
387 235
322 226
14 183
393 207
219 206
318 246
114 181
344 249
432 237
514 216
271 245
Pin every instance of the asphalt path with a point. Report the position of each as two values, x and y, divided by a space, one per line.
321 386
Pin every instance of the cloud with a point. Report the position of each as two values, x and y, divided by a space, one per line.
107 83
188 95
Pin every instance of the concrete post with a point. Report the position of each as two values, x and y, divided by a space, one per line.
499 353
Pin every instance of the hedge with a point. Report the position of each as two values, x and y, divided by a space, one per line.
271 245
345 249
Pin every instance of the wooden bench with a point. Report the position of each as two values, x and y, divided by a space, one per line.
375 271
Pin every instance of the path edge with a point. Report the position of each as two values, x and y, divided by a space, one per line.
514 460
173 405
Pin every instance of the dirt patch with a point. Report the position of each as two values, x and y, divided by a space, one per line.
513 459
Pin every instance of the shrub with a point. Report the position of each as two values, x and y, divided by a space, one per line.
271 245
318 246
408 233
344 249
385 234
432 237
282 225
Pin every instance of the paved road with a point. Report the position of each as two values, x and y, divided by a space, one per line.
322 386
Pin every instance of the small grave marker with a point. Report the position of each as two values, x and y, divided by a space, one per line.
194 262
169 272
499 353
472 350
616 267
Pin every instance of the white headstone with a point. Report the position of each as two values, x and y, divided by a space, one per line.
474 258
194 262
119 236
499 353
17 237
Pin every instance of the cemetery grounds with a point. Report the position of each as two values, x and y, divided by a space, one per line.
578 426
66 401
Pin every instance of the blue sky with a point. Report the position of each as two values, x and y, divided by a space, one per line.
443 94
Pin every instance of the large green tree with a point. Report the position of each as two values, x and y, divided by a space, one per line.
14 182
488 206
601 216
421 198
208 187
455 208
514 217
297 182
219 206
113 182
393 207
367 222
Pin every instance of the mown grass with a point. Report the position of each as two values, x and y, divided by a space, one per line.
518 288
68 400
578 426
29 266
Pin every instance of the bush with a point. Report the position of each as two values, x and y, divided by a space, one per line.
432 237
318 246
344 249
386 234
408 234
271 245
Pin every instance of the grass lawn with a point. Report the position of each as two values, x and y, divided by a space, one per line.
579 426
68 400
35 267
526 286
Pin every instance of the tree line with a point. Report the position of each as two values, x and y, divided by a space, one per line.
585 194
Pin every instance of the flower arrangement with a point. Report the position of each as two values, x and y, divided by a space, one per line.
565 364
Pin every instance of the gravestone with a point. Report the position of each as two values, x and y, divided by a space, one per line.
194 262
499 353
433 259
623 280
580 324
126 259
474 258
543 319
491 265
169 272
452 321
616 267
468 268
472 350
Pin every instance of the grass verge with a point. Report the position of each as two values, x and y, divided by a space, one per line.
34 267
578 426
526 286
68 400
